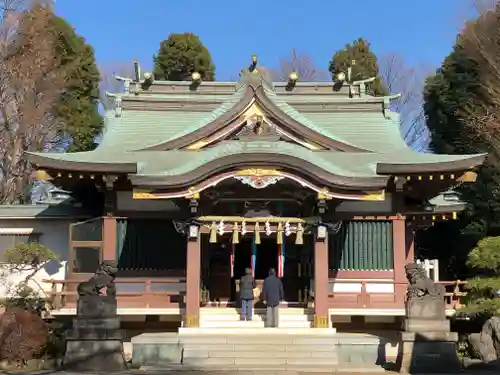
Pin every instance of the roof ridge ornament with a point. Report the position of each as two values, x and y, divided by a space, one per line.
254 76
117 100
126 83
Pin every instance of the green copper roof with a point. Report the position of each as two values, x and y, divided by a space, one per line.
139 129
136 129
177 162
368 135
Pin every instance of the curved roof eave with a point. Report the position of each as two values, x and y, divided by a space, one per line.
467 163
49 162
261 160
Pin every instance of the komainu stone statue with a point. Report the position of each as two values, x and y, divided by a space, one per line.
486 345
95 341
104 277
420 285
428 346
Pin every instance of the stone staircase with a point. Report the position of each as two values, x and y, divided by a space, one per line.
230 318
319 350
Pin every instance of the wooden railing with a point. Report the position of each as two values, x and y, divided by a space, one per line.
170 293
135 293
395 299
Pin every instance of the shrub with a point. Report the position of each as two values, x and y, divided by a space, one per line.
23 336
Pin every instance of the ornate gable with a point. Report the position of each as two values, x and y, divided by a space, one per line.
254 125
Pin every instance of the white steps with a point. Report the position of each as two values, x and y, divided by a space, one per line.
230 318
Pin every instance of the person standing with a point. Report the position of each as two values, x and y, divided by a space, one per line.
272 295
247 285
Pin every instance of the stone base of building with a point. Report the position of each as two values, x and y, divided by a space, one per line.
429 352
96 342
94 355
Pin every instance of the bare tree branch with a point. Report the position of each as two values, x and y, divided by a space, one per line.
400 77
302 64
481 41
31 82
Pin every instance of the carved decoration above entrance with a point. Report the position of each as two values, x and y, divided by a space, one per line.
259 178
259 182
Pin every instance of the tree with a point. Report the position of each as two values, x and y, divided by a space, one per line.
401 78
181 55
26 260
77 108
449 97
363 62
300 63
480 40
31 82
482 297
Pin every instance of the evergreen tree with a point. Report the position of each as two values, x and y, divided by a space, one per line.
181 55
447 95
78 106
365 65
484 290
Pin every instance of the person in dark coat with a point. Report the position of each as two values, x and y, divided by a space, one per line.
272 295
247 285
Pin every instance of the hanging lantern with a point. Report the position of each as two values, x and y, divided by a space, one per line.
299 239
279 234
213 233
236 234
257 234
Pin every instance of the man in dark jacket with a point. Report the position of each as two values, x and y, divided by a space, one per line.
247 285
272 295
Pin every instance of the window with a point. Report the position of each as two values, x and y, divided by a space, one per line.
86 259
8 241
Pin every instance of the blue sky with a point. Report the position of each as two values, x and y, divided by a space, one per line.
419 30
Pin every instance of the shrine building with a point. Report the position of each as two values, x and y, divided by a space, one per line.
192 182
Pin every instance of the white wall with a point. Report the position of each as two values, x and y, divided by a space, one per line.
54 233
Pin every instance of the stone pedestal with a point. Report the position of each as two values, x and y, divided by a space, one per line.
427 345
95 342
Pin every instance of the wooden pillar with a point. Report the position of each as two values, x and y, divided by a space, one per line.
321 283
109 238
399 248
410 243
109 227
193 262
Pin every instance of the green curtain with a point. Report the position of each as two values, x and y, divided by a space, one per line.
152 244
362 245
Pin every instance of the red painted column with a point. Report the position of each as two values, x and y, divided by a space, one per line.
399 246
193 268
109 238
410 243
321 283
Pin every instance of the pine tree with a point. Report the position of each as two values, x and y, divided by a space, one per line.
77 108
181 55
363 62
484 290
